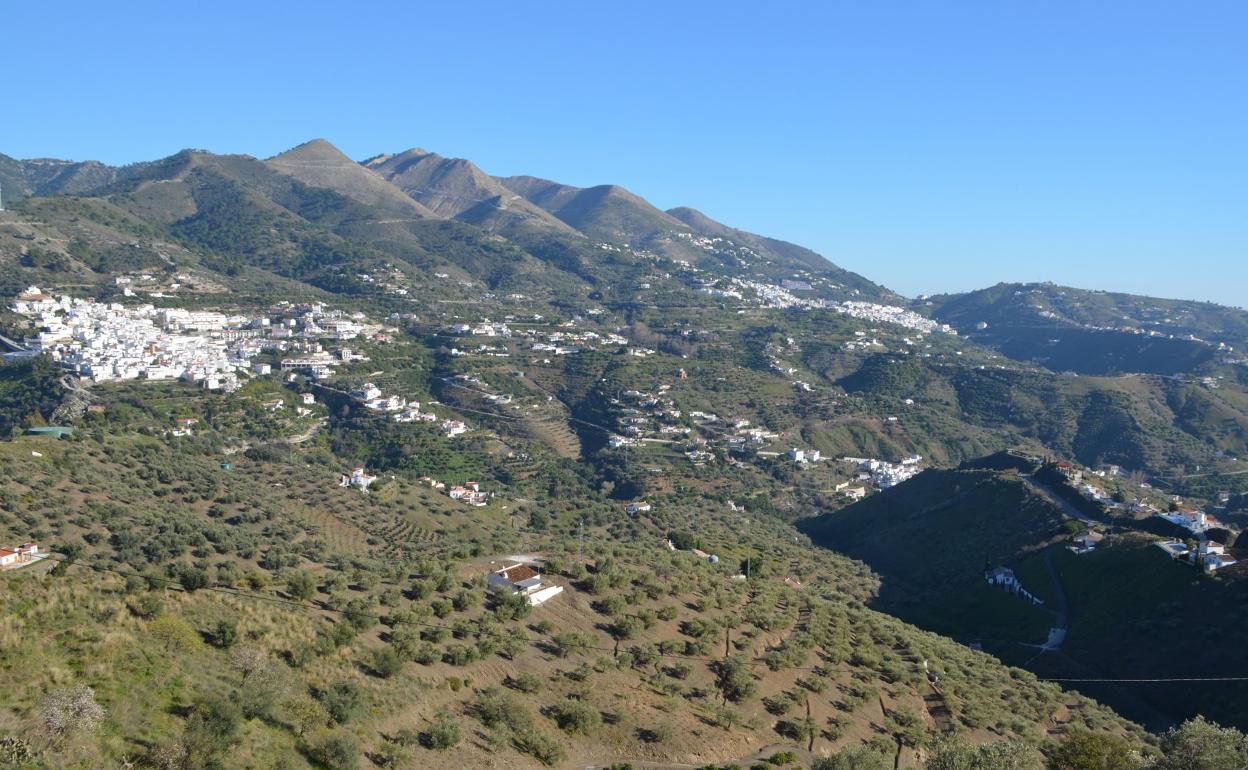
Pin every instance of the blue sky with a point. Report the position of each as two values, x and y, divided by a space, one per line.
931 146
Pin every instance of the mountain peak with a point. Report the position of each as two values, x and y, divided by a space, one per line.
320 164
315 149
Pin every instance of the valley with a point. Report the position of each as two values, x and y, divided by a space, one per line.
283 427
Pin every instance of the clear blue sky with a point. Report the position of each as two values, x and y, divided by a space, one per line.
932 146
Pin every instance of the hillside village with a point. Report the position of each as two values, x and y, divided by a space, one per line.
114 341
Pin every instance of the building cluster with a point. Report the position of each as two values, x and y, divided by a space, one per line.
1195 521
110 341
566 339
870 311
469 492
1209 556
803 456
882 474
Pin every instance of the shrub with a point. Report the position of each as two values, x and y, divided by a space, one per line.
386 662
577 717
443 733
734 679
855 758
341 700
224 634
339 751
527 682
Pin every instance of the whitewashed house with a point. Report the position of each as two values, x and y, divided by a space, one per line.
524 580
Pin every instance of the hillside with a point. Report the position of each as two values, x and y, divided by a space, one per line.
1098 333
319 164
932 537
1126 608
47 176
632 392
779 250
455 188
301 616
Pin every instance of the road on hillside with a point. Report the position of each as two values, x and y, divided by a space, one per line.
1062 503
1057 634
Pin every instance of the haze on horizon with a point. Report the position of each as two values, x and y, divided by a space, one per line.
932 149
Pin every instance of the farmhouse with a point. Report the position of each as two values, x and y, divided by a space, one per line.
523 579
1086 543
18 555
359 479
1212 557
1005 578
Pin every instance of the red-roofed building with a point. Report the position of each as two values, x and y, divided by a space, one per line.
523 579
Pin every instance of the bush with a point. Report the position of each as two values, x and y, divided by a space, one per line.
192 579
224 634
955 754
386 663
734 679
339 751
147 606
1090 751
214 725
540 746
443 733
855 758
301 585
577 717
527 682
341 700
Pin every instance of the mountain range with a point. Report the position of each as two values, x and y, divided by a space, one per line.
672 416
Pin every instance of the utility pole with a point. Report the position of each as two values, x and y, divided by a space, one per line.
580 546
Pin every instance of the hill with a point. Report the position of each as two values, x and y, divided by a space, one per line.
781 251
1125 609
46 176
1093 332
319 164
936 534
294 616
455 188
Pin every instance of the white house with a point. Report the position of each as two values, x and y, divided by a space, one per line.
523 579
368 392
18 554
359 479
636 508
1005 578
854 493
1086 543
805 455
1212 557
1002 576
